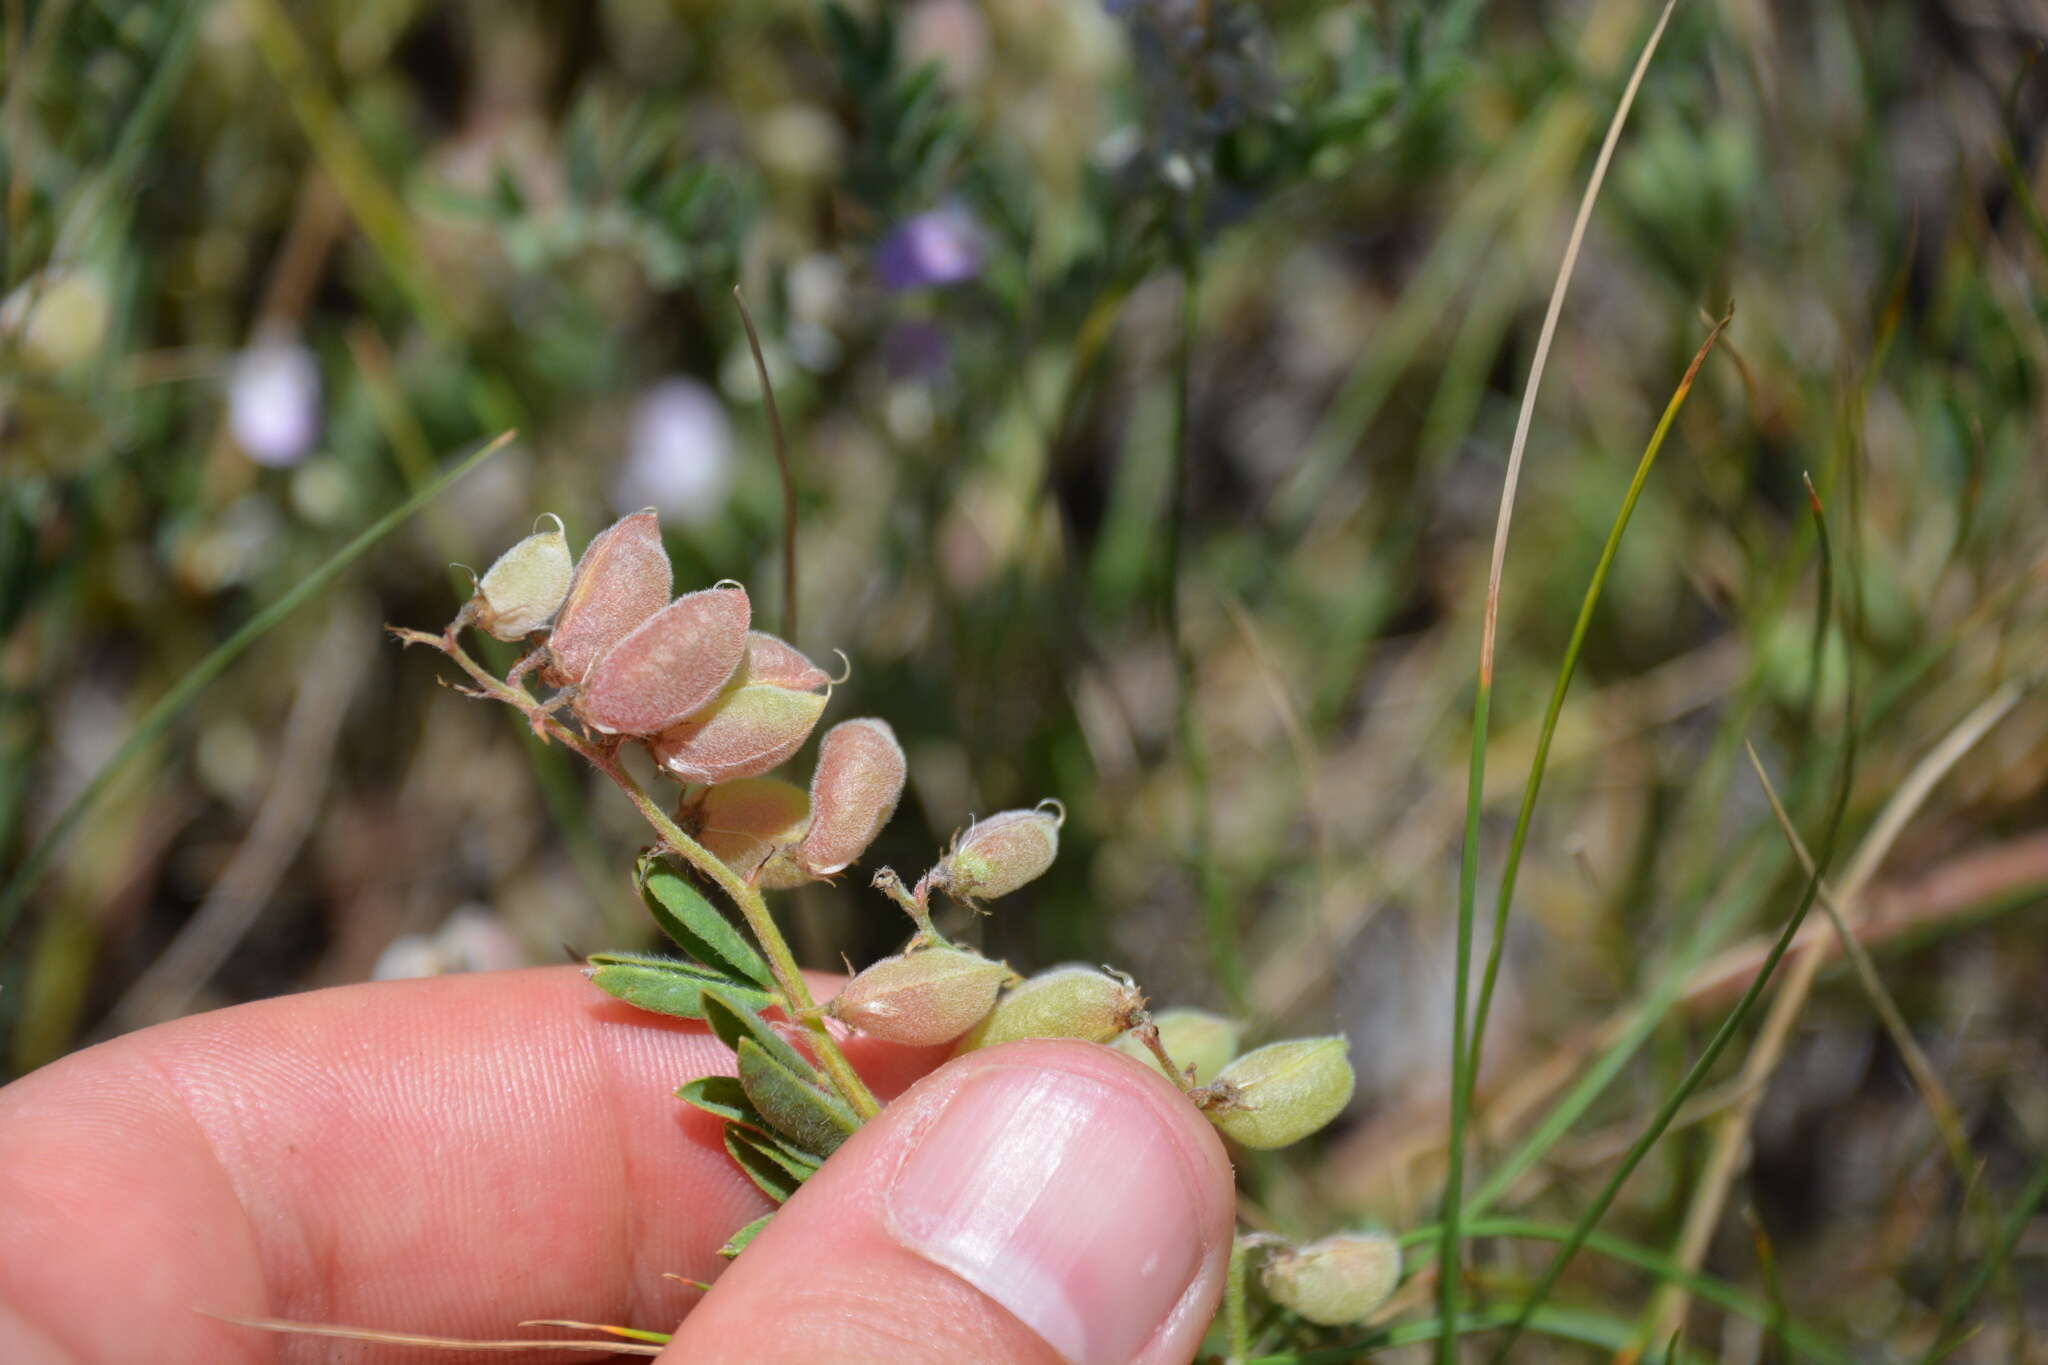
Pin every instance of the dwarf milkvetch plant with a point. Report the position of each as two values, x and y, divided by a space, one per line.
614 660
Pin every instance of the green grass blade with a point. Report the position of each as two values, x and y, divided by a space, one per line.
1697 1072
1947 1339
195 681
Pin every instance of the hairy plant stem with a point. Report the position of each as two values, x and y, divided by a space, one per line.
789 978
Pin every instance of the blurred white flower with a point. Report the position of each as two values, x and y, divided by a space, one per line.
472 940
274 403
679 454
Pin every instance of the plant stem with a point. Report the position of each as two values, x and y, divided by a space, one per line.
789 978
1235 1322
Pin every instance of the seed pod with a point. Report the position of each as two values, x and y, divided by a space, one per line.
1073 1001
622 579
747 821
1191 1037
1282 1092
1337 1281
522 590
749 729
854 791
674 664
997 855
923 998
773 660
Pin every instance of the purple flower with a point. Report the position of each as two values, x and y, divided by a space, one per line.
939 247
678 453
274 402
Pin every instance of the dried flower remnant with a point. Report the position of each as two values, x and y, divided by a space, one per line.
622 579
1281 1093
923 998
854 791
1073 1001
674 664
746 822
997 855
520 593
1336 1281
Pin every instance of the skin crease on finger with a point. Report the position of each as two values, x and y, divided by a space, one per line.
445 1156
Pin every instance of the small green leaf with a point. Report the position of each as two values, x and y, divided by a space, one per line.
732 1018
770 1164
737 1243
813 1120
697 927
723 1096
664 985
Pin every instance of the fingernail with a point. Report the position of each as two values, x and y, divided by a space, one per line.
1065 1200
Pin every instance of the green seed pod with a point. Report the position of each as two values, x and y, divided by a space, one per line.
997 855
520 593
1073 1001
751 728
1191 1037
854 791
1282 1092
923 998
1337 1281
622 579
673 665
745 822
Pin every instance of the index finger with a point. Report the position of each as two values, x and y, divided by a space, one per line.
445 1157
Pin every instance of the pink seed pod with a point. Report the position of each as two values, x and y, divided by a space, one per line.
773 660
672 665
745 822
921 999
749 729
521 591
854 791
997 855
622 579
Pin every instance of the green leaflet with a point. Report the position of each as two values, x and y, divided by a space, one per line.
723 1097
696 926
665 985
771 1164
737 1243
733 1017
815 1121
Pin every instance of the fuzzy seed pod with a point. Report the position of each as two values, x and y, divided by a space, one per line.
671 666
1337 1281
1191 1037
773 660
923 998
1280 1093
622 579
749 729
1073 1001
746 822
520 593
854 791
997 855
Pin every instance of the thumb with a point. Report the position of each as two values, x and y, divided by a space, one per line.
1035 1202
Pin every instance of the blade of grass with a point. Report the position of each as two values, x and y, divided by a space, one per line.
1697 1072
1947 1339
202 674
1449 1280
1504 901
1710 1191
788 623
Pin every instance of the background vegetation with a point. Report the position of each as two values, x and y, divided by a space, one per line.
1150 367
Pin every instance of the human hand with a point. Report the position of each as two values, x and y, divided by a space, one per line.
451 1156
